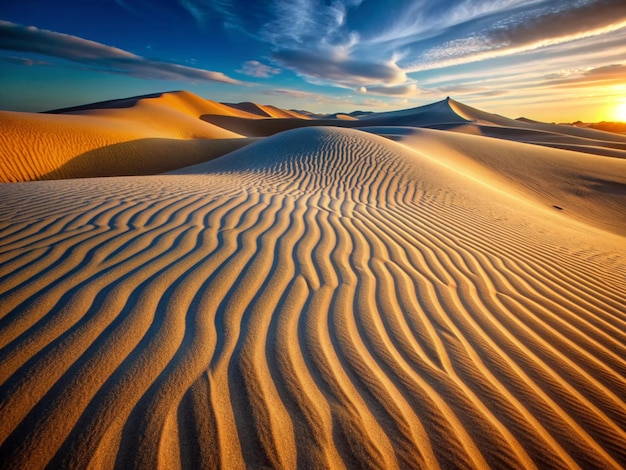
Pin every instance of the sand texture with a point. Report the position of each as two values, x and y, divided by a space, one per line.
325 297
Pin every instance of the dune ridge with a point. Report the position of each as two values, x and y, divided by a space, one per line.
324 297
156 133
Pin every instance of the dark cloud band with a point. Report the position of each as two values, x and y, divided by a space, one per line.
15 37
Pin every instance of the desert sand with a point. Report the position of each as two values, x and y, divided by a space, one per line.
437 287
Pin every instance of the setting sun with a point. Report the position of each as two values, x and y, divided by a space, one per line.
620 112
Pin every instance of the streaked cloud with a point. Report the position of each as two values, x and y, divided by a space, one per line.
254 68
528 30
613 74
339 70
24 61
308 99
560 22
98 56
408 90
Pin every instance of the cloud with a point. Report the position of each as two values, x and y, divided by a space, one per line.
342 101
613 74
529 30
255 68
579 20
291 93
407 90
99 57
339 70
295 23
607 71
24 61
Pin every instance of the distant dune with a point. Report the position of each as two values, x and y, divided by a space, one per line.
427 288
618 127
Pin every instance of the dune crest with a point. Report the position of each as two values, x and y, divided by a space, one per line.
322 298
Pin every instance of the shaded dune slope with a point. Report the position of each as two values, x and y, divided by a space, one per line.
322 298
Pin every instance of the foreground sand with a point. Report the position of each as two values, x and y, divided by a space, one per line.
324 297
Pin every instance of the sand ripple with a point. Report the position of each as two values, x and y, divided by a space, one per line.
324 298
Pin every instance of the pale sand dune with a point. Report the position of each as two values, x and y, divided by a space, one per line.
322 298
141 136
585 187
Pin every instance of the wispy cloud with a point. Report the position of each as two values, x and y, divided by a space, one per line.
407 90
98 56
24 61
307 22
339 70
422 19
254 68
614 74
306 99
292 93
526 31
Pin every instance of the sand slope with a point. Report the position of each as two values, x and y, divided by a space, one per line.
153 133
447 115
322 298
143 135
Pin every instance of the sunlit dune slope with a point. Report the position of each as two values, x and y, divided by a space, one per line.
550 135
323 298
174 114
479 116
447 114
183 101
140 136
588 188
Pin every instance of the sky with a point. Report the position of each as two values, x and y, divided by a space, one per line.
549 60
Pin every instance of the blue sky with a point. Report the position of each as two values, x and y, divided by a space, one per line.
548 60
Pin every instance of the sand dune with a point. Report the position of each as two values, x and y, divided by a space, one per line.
444 115
265 111
144 135
322 298
585 187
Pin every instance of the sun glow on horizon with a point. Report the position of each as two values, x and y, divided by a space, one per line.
619 113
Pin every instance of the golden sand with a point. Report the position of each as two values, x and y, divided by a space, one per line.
321 298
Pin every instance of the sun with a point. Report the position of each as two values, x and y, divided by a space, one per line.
620 111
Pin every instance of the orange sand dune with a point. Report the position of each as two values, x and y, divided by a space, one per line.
126 137
173 115
322 298
265 111
182 101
